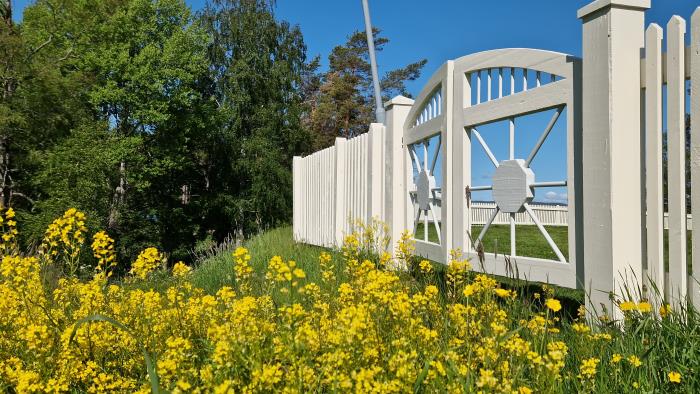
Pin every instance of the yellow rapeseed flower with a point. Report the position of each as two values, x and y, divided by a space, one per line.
146 262
588 368
180 269
425 267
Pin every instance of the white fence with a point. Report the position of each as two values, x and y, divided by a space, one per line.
614 157
336 185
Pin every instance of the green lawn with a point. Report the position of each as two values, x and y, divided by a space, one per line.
529 242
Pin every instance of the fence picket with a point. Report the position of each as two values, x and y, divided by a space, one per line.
488 84
694 53
654 155
678 275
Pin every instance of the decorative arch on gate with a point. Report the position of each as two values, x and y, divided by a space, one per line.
461 96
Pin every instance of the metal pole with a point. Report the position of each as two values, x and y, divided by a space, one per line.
379 110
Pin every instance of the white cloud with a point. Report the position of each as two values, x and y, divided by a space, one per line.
556 197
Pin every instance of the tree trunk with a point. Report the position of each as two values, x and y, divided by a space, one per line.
118 198
185 194
6 185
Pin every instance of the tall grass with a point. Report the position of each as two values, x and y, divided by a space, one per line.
215 271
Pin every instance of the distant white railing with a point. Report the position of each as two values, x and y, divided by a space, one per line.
549 215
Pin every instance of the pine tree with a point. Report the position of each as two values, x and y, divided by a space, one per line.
344 103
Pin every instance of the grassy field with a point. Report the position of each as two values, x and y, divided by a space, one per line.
529 242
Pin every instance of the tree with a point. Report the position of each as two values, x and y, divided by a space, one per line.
142 69
256 68
6 11
165 127
344 104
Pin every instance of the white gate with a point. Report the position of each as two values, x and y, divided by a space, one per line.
461 96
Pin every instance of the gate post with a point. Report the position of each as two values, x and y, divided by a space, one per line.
396 197
613 36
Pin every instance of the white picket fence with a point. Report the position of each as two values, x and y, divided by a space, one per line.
338 185
671 69
614 157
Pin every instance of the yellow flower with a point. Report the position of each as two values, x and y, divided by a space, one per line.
103 250
634 360
553 304
674 377
628 306
486 378
181 269
664 310
524 390
425 267
146 262
588 368
644 307
469 290
503 293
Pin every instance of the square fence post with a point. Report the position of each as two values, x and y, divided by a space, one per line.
397 110
613 36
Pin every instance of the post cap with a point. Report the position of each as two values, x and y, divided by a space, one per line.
600 4
398 100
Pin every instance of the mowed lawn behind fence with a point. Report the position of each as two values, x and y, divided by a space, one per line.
528 239
530 242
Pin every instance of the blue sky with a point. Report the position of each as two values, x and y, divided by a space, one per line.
443 30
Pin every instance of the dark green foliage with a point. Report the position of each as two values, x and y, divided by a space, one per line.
164 127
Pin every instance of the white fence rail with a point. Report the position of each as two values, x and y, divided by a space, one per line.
614 161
